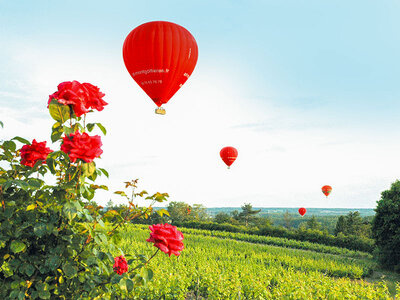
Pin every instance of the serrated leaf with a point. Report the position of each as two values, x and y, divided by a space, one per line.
17 246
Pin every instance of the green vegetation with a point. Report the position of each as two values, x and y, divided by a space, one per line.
386 228
215 268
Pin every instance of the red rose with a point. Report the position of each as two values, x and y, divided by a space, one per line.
166 238
120 265
82 146
82 97
94 100
30 154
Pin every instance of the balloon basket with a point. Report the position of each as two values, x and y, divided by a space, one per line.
160 111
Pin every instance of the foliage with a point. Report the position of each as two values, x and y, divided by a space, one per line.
386 227
215 268
315 236
247 214
313 224
353 224
54 243
182 212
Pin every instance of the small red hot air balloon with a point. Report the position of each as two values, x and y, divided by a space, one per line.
228 155
302 211
160 56
327 189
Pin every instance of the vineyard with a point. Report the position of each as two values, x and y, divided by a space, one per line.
225 266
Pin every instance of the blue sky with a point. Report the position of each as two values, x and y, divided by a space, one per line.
308 91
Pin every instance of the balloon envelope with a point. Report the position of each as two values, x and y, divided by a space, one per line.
302 211
326 189
228 155
160 56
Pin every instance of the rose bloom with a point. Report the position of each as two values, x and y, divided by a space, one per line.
120 265
94 100
82 146
167 238
30 154
82 97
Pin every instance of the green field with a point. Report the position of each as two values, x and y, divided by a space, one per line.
217 265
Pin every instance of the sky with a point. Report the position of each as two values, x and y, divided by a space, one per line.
307 91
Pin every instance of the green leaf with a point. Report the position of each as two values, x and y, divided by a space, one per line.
104 172
22 140
129 285
1 124
102 128
116 279
17 246
29 269
90 126
44 295
40 229
147 274
88 168
68 130
69 270
162 212
9 145
59 112
51 163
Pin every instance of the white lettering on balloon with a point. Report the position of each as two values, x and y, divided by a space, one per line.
151 82
149 71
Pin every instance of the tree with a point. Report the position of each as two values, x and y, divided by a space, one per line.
353 224
178 211
248 214
386 227
340 225
198 212
288 219
312 223
222 217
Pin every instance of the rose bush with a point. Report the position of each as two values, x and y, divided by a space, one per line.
167 238
55 243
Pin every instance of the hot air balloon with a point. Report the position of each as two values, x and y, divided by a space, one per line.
327 189
228 155
302 211
160 56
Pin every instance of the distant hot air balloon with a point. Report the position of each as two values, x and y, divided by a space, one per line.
326 189
228 155
160 56
302 211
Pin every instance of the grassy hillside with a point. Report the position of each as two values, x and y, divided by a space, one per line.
225 267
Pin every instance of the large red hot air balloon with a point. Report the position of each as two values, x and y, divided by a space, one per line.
302 211
160 56
228 155
326 189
